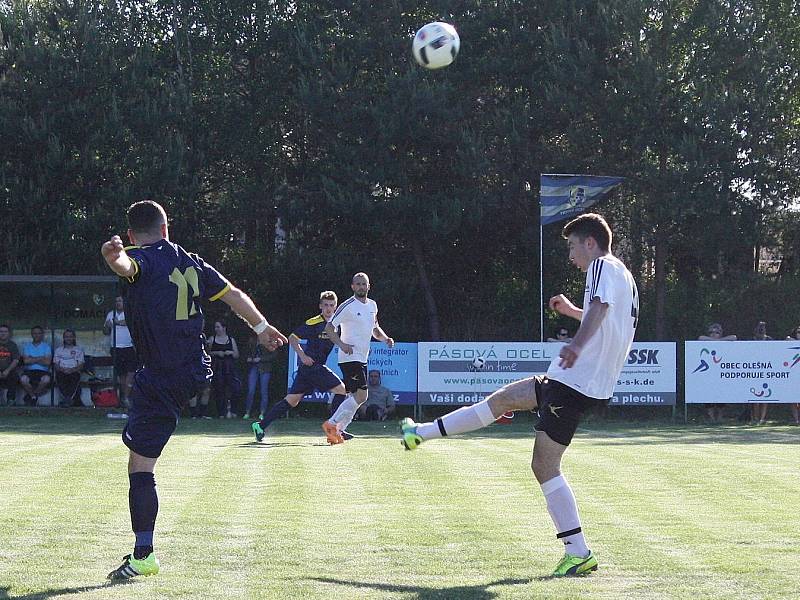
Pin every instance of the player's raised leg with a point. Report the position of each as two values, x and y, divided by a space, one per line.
520 395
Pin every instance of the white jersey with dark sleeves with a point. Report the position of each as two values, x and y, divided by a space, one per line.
356 319
598 366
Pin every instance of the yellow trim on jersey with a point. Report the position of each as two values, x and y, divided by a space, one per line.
315 320
220 293
131 248
132 278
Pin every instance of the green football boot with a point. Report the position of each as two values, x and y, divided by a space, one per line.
131 567
410 438
260 433
571 566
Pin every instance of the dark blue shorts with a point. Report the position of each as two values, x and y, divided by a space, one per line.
315 377
156 402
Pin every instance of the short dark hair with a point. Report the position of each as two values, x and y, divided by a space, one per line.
6 325
146 216
37 327
590 225
371 371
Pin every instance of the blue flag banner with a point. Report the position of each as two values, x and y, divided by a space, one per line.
563 196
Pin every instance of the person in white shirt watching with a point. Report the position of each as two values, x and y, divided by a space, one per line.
123 352
582 376
357 317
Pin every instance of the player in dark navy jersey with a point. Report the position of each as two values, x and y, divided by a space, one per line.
312 373
163 286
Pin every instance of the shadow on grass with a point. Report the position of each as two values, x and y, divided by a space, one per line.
58 422
56 592
270 445
462 592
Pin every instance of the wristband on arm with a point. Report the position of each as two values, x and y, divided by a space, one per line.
260 327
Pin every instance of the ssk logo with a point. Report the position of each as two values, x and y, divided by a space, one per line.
643 357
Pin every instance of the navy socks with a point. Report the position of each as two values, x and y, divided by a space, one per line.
143 503
276 412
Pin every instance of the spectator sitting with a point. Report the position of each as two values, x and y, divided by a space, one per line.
795 406
715 333
759 414
259 361
9 361
561 335
380 400
68 361
37 355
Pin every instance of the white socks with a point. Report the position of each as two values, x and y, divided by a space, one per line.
468 418
345 413
564 512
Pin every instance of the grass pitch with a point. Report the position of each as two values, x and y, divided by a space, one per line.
670 511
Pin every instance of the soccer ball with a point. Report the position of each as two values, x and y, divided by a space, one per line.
478 363
436 45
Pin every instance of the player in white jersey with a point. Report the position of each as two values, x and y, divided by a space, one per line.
582 376
357 322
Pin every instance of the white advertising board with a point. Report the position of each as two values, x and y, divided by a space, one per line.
742 372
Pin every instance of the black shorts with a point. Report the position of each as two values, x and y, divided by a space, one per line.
125 360
560 409
156 401
316 377
35 376
355 376
9 382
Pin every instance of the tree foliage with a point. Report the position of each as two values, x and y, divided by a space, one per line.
297 143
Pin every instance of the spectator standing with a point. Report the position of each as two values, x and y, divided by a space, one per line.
68 361
561 335
224 353
715 334
759 414
259 363
795 406
122 350
380 400
9 361
37 356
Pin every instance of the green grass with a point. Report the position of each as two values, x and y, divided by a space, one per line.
670 511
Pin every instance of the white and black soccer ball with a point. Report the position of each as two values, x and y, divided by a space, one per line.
478 363
436 45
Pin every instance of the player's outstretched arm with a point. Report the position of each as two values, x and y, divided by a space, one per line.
113 252
244 307
595 313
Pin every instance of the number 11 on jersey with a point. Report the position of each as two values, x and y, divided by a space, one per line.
185 280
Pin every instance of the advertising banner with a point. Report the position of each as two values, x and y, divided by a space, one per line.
648 377
448 373
454 373
398 367
742 372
